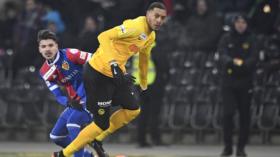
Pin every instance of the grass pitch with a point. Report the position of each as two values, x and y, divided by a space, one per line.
34 154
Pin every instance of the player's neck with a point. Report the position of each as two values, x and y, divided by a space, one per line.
149 29
52 59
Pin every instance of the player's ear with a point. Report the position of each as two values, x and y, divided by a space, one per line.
148 12
40 50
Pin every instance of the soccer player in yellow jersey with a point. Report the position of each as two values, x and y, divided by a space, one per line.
106 81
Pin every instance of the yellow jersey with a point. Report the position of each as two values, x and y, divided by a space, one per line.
120 43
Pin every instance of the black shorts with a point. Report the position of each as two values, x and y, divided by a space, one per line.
102 93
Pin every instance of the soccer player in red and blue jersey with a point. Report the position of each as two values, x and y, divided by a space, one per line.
63 68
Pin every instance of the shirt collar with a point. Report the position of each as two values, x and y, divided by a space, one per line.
55 60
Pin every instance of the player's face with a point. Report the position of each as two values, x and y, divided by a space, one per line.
240 25
48 48
156 17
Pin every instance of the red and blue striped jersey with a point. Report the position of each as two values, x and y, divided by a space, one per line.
66 72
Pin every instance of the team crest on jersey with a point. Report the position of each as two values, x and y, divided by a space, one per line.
65 65
101 111
142 36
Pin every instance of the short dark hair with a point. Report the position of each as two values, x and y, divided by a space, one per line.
46 34
159 5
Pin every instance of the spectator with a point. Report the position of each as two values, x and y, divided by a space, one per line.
226 6
264 16
238 54
7 23
271 60
53 16
88 36
203 28
10 12
152 100
27 25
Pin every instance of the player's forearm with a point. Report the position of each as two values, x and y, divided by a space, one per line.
62 100
143 70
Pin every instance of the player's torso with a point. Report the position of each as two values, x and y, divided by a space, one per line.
63 71
130 46
66 71
125 49
137 39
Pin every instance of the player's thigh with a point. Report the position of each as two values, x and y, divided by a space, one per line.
79 119
99 91
126 97
98 87
60 128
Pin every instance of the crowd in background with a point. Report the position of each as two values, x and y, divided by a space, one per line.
187 43
199 27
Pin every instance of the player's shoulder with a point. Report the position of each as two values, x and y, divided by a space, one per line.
135 20
135 23
72 51
140 19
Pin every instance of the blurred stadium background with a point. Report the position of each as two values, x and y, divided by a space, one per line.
191 112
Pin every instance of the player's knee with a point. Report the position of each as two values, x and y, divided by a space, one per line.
58 140
52 137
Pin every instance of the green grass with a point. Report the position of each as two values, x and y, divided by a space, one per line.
25 154
40 155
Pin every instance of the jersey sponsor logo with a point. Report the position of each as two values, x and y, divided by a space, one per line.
142 36
133 48
83 55
65 65
73 51
104 103
70 76
49 72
